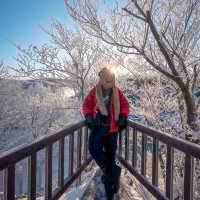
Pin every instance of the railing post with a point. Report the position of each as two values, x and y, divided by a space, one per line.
169 172
71 154
188 177
79 152
144 154
155 162
61 162
48 172
10 183
32 165
127 144
86 144
134 153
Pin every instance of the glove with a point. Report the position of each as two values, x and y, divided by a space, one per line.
122 122
90 121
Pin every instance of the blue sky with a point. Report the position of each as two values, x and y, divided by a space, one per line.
20 20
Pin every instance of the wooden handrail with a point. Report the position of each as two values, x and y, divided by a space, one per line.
178 143
9 159
190 150
16 154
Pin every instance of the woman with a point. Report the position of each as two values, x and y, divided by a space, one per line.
106 109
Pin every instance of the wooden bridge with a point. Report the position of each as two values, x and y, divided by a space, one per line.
78 159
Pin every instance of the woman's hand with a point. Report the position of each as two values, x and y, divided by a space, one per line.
90 121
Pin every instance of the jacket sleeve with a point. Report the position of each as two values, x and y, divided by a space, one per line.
124 105
89 103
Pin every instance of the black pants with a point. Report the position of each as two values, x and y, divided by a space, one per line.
103 150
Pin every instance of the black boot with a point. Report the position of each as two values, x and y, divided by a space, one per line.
112 177
109 190
107 180
116 175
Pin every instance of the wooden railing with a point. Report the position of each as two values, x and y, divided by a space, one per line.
77 136
77 145
128 145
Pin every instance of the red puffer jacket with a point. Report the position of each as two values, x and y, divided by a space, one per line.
89 107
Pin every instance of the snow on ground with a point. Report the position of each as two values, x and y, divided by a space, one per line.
77 192
95 189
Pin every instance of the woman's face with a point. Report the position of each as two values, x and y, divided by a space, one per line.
107 79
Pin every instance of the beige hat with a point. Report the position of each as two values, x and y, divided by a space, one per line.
107 78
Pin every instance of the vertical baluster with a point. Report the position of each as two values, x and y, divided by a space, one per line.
79 145
71 154
79 152
188 177
61 162
3 176
10 183
87 141
155 162
169 172
120 143
144 154
127 144
32 166
85 144
48 172
134 153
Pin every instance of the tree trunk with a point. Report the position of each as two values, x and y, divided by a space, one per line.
191 111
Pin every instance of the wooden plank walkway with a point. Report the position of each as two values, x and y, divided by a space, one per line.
96 191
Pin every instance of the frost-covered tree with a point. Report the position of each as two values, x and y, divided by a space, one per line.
151 98
161 35
68 59
3 71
